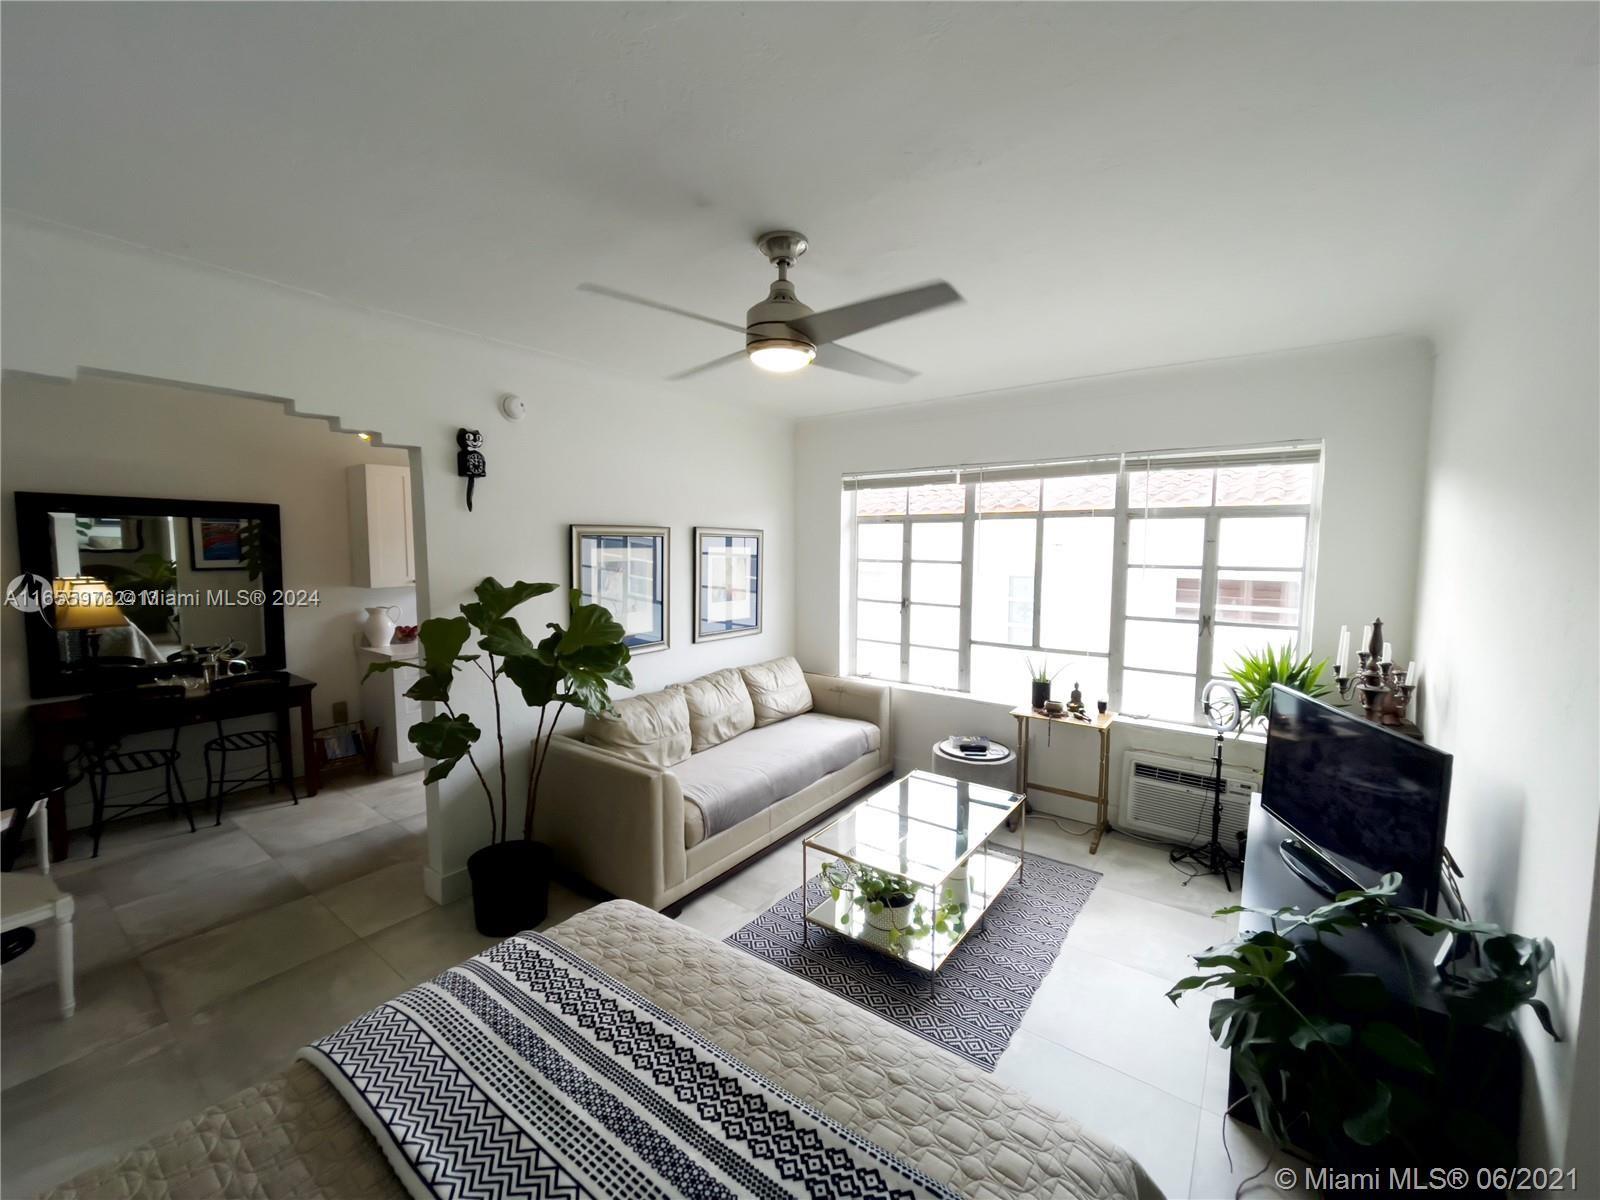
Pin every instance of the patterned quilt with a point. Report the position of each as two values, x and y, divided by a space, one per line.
527 1071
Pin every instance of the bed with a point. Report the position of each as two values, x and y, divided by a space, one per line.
294 1135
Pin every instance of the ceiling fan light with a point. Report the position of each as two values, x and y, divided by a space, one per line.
781 356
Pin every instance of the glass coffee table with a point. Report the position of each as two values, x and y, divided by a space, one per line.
933 833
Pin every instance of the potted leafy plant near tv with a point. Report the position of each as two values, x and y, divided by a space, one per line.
1255 672
574 665
1334 1065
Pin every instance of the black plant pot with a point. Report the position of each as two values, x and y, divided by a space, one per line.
1041 692
510 886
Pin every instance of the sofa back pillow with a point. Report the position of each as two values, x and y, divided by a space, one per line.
778 689
719 708
651 729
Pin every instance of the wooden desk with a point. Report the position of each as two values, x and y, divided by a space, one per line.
1101 723
58 724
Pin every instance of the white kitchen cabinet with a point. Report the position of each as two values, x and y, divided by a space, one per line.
382 553
386 707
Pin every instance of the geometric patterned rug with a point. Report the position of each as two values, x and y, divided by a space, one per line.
977 1000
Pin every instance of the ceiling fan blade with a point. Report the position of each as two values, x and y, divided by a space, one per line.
712 365
841 358
601 290
841 322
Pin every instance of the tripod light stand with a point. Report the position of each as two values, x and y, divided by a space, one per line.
1223 711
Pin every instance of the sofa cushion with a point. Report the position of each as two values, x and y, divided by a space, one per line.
778 690
651 729
719 708
742 777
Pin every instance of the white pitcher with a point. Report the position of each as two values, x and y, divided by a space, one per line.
379 625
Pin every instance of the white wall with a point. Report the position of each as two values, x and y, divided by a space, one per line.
1367 401
110 437
593 448
1507 611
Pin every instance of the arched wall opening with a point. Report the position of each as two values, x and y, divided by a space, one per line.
595 447
110 433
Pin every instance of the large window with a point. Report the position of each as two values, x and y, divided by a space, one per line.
1139 577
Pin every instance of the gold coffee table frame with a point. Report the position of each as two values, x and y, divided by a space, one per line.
934 831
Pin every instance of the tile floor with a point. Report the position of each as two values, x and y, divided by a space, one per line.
204 961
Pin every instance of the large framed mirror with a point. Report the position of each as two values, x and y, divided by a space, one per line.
137 584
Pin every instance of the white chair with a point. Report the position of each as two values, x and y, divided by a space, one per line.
27 898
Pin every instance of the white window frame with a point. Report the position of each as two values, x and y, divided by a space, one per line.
1124 466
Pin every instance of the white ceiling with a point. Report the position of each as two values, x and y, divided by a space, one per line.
1110 185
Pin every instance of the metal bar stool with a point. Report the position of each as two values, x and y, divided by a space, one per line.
106 758
246 741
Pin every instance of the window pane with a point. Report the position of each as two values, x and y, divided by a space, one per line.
1011 495
1170 489
939 498
1267 483
880 502
936 668
932 625
1161 646
1089 674
1071 493
1228 642
1159 592
1167 697
936 541
936 583
1173 542
1002 582
1261 541
881 541
1000 674
1076 598
880 622
878 581
878 660
1259 597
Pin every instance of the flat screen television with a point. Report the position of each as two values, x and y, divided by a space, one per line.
1360 798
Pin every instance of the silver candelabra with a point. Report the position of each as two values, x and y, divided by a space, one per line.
1385 693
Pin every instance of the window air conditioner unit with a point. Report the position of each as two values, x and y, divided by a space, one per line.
1170 798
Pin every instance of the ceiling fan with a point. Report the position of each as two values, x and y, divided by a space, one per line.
782 335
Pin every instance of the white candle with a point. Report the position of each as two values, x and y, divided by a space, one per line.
1341 659
1411 669
1388 652
1366 639
1414 676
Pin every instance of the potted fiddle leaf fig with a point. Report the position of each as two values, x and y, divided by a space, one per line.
574 665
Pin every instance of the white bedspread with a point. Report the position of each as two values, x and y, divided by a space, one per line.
526 1071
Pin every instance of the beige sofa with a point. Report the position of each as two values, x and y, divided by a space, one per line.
676 787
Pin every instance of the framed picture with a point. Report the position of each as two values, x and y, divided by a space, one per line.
625 569
216 543
727 583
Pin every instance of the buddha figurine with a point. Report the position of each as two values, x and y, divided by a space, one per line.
1075 702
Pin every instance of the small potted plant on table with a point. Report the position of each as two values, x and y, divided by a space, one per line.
885 898
1042 677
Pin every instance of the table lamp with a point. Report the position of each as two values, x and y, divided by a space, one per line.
86 606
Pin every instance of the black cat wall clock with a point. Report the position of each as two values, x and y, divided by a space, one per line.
470 464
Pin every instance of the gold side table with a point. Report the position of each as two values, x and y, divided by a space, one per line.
1100 723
